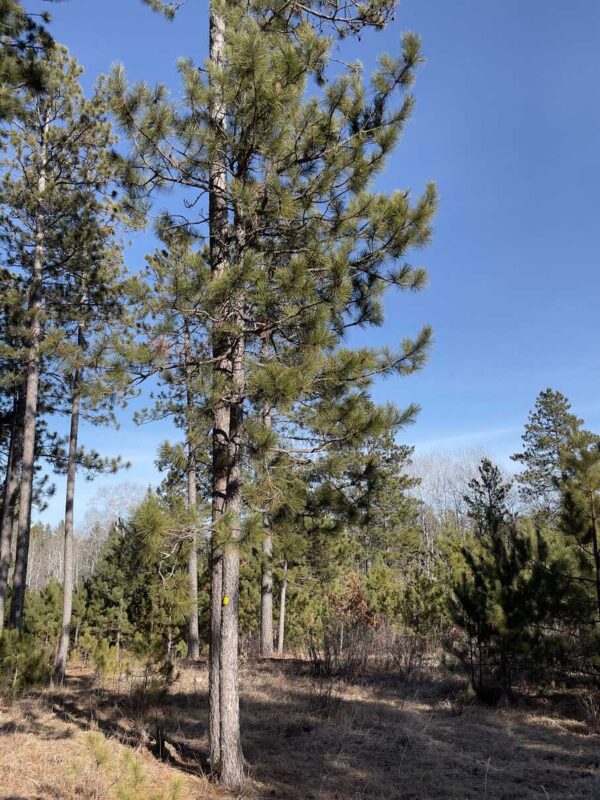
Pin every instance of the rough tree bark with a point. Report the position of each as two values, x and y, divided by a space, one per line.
62 651
220 435
225 751
193 642
282 599
266 584
232 760
11 493
31 400
266 596
218 224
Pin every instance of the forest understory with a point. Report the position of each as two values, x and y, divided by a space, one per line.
304 738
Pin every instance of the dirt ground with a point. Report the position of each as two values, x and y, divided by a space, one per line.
304 739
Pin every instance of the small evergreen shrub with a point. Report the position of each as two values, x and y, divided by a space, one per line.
24 663
123 778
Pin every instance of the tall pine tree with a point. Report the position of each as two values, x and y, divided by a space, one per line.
54 224
548 433
300 246
580 506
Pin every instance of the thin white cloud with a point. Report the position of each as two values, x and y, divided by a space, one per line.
460 440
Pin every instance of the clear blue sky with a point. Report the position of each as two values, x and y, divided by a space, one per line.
508 124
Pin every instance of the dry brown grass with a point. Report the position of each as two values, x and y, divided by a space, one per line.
41 756
304 740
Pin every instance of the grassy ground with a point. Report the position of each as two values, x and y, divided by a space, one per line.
304 739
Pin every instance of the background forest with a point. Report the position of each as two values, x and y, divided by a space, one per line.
291 524
495 577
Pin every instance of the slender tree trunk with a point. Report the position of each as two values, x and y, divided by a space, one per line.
224 724
11 491
282 600
15 521
266 596
31 404
118 642
193 642
266 588
193 625
218 225
62 652
170 639
232 760
596 551
26 495
216 599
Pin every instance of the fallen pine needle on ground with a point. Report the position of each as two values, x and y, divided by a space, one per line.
305 739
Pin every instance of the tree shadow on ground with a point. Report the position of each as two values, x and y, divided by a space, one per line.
313 738
30 722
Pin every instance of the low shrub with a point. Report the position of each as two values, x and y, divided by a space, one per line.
24 663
